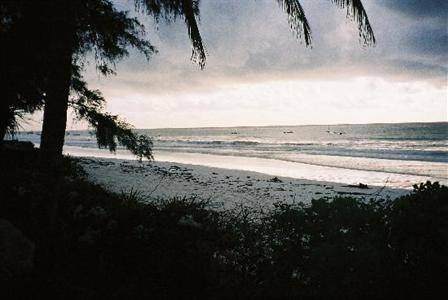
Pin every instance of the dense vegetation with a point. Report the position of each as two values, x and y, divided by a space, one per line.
93 244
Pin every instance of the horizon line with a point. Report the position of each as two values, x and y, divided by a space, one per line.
266 126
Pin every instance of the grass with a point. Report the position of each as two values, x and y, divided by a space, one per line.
94 244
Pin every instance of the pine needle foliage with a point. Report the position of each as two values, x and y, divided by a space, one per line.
171 11
297 19
301 28
356 12
110 131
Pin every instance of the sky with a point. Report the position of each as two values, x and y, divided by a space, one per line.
258 73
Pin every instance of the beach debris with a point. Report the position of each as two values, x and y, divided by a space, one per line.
105 163
363 186
173 169
132 169
359 186
275 179
352 193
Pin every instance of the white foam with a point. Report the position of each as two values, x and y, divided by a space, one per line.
269 166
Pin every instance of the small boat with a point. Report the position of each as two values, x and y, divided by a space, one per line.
234 132
288 132
334 132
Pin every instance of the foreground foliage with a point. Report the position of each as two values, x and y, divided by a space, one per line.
93 244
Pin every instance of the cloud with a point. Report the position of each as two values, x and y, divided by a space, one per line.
247 39
419 8
250 43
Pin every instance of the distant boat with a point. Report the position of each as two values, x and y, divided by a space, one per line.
234 132
334 132
287 132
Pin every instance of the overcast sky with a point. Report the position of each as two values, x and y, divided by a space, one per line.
258 73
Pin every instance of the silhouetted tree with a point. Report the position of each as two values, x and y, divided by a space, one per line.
22 80
89 105
24 74
29 66
74 28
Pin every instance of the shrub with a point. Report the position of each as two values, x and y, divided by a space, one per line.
91 243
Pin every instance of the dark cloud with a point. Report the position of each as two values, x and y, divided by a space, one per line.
251 40
430 41
421 38
419 8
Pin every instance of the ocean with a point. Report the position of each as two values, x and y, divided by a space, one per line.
416 151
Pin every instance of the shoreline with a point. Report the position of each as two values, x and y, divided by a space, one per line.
273 167
225 189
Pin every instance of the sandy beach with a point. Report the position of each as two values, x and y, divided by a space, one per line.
224 188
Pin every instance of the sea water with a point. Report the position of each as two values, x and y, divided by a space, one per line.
376 152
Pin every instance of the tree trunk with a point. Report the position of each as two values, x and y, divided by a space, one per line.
55 111
60 56
3 124
6 114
